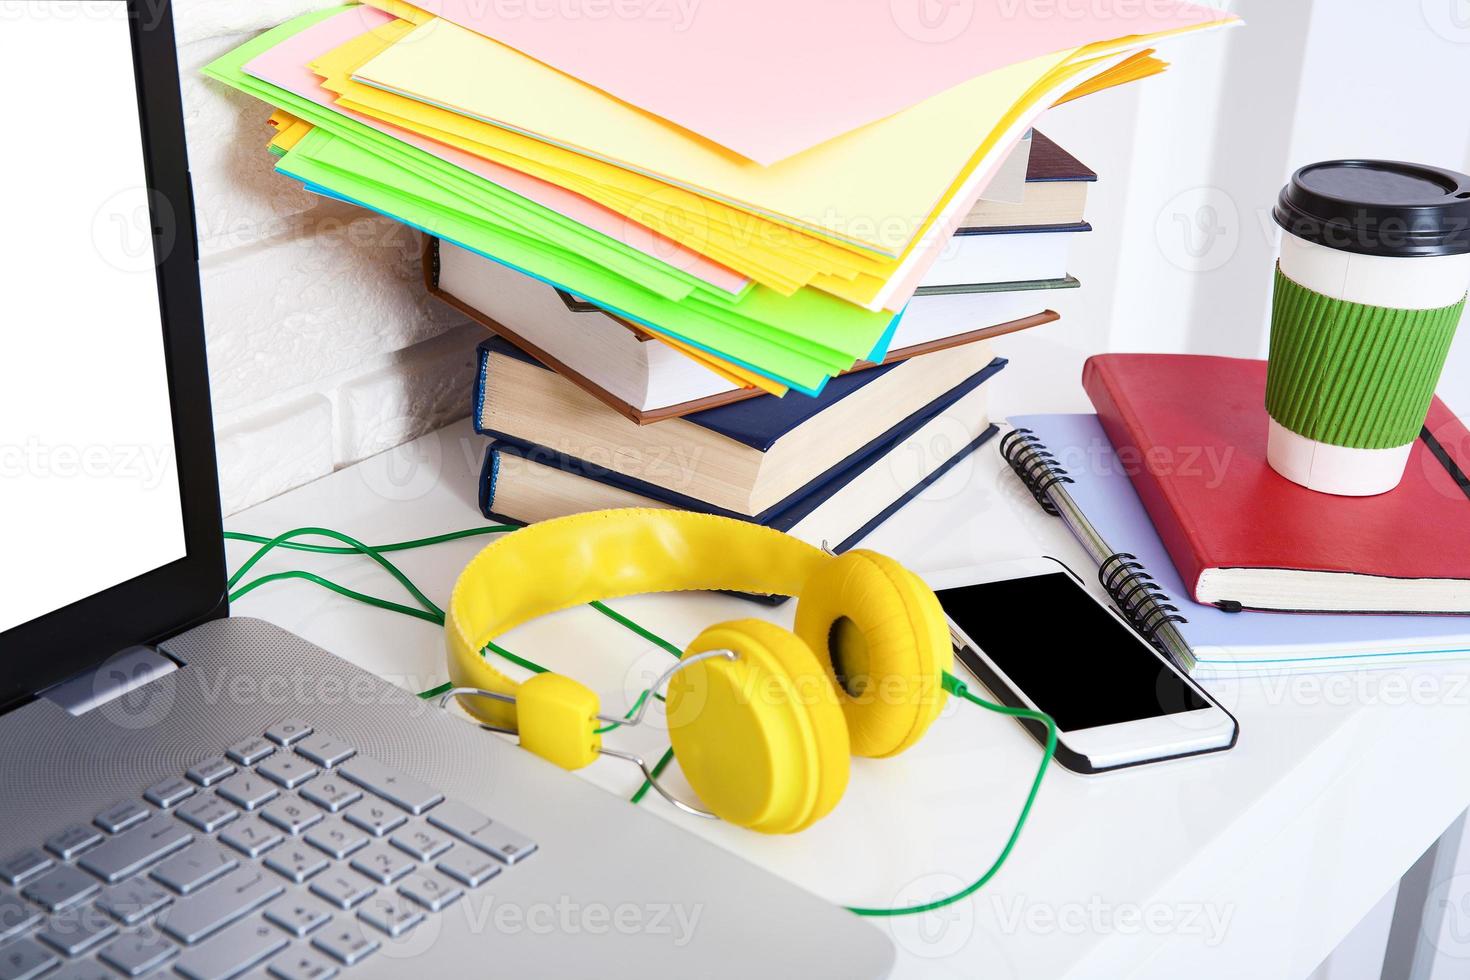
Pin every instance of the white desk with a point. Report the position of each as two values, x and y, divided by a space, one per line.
1254 863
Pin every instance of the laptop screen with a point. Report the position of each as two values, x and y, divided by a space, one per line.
91 493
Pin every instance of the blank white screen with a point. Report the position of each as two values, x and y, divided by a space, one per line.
89 492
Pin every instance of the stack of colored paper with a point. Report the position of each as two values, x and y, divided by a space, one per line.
762 187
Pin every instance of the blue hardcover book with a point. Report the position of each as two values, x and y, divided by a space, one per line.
749 458
523 484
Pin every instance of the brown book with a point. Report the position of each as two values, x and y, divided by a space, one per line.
640 377
1056 191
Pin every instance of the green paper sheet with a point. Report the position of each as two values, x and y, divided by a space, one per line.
799 339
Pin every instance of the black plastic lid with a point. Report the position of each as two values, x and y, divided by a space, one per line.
1378 207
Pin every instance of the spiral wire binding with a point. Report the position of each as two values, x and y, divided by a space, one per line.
1137 595
1135 592
1035 465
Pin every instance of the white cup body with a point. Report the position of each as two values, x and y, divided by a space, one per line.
1421 283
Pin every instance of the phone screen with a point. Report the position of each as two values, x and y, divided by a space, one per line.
1066 652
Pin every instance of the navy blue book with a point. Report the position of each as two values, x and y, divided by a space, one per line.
748 458
523 484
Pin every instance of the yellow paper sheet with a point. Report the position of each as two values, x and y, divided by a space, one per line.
743 241
872 187
289 134
775 255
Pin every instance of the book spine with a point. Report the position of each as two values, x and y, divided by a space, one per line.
1124 432
482 380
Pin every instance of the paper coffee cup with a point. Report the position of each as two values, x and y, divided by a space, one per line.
1370 285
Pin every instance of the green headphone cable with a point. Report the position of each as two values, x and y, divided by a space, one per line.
433 614
430 612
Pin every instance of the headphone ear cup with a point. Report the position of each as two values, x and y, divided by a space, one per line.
761 738
882 636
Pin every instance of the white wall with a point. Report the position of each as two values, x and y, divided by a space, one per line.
1190 162
323 347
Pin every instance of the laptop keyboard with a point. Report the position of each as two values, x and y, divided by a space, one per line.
289 854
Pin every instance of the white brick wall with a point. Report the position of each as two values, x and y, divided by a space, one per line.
323 348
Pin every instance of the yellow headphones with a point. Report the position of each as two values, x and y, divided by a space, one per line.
764 731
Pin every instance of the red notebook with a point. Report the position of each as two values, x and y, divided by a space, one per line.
1192 432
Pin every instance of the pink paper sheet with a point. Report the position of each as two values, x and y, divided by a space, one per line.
770 78
285 66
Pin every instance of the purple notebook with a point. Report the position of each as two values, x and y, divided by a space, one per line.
1085 477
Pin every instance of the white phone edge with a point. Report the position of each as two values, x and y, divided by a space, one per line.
1104 747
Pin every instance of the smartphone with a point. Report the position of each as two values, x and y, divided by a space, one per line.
1032 633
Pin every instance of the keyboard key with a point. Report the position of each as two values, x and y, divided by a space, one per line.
195 866
60 889
325 750
374 816
300 915
73 841
247 790
390 914
342 888
336 837
432 891
331 793
302 965
23 866
390 784
73 933
130 902
291 813
382 863
211 770
83 971
345 943
490 836
232 952
169 792
216 906
289 771
24 959
207 812
15 915
251 750
133 850
422 842
120 816
137 953
296 862
289 732
469 867
252 837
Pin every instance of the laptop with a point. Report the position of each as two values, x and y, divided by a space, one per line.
190 794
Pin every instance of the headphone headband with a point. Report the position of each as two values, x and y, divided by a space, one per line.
570 561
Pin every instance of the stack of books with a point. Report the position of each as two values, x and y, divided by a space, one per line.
770 221
1227 565
566 390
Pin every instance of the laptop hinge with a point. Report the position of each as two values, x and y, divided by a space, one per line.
119 675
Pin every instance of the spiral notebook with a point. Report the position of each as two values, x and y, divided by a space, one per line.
1068 464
